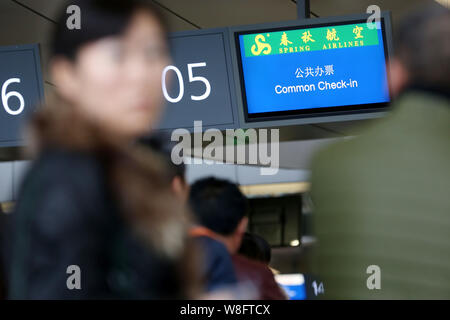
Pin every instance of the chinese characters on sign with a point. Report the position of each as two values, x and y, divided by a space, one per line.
284 40
318 71
313 39
307 37
357 31
331 36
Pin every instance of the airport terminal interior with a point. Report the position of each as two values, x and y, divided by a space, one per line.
280 204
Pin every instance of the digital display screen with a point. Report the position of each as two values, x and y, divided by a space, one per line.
296 71
293 285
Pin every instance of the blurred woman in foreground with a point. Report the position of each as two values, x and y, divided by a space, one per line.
95 218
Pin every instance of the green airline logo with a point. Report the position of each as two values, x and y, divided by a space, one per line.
313 39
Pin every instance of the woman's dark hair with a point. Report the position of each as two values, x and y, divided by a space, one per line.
160 142
256 248
99 19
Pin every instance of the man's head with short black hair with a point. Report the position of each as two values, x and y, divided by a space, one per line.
256 248
422 50
218 205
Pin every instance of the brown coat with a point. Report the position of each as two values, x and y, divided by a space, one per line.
260 275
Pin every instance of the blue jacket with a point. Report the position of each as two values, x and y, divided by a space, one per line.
218 271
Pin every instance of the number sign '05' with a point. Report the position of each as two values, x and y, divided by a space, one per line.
200 86
21 89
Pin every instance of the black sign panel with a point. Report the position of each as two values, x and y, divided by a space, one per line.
21 89
202 87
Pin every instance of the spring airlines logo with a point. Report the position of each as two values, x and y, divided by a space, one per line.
261 46
311 39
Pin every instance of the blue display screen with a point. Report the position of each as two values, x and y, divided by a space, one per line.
295 292
334 67
293 285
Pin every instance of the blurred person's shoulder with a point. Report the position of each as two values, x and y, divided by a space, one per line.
60 179
80 169
245 264
217 264
417 120
353 148
250 269
214 247
260 274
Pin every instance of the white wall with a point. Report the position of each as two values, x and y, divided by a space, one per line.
244 175
6 181
11 175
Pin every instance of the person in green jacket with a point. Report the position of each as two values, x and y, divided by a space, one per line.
382 199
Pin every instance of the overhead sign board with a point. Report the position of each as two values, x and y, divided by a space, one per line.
202 85
307 70
303 71
21 89
277 74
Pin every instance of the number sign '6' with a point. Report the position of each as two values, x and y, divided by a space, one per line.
21 90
